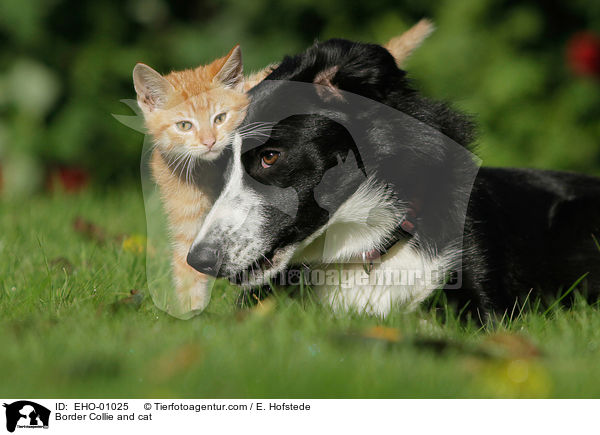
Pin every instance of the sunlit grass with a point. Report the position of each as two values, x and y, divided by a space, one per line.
71 326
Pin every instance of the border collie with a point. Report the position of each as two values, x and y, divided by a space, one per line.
373 187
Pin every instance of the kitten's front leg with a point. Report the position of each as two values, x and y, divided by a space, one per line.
186 213
186 205
193 288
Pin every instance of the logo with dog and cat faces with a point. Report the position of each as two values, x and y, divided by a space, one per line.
25 414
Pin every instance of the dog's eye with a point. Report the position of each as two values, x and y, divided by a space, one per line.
184 125
268 158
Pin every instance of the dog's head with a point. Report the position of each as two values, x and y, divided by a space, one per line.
322 170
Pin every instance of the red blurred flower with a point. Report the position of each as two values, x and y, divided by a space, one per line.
583 54
69 179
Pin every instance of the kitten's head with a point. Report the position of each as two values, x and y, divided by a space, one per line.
194 111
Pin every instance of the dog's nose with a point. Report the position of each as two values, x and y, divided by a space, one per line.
205 259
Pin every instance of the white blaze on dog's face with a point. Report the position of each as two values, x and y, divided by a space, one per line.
234 238
282 193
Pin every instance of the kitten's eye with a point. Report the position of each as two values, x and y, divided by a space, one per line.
220 118
268 158
184 125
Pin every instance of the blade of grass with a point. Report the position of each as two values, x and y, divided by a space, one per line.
565 294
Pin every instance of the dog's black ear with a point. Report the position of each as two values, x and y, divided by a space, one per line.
327 89
368 70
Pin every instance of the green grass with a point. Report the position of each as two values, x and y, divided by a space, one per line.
65 330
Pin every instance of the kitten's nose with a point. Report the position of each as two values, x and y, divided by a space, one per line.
209 142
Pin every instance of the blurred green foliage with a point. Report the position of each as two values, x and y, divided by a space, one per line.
66 64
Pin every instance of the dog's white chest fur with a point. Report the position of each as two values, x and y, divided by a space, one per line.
403 277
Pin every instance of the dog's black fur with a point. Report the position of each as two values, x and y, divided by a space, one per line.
525 230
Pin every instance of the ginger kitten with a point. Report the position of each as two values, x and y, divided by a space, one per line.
192 116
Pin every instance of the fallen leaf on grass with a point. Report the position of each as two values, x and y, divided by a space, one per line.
133 301
89 229
494 347
62 263
175 362
135 243
394 338
384 333
506 345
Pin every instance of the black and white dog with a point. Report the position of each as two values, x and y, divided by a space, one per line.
373 187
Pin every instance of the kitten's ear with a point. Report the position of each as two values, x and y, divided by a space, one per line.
231 73
327 90
402 46
153 90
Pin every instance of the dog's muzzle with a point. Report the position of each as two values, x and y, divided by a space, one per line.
205 258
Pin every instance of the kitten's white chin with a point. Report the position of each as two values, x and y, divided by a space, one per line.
197 153
209 155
